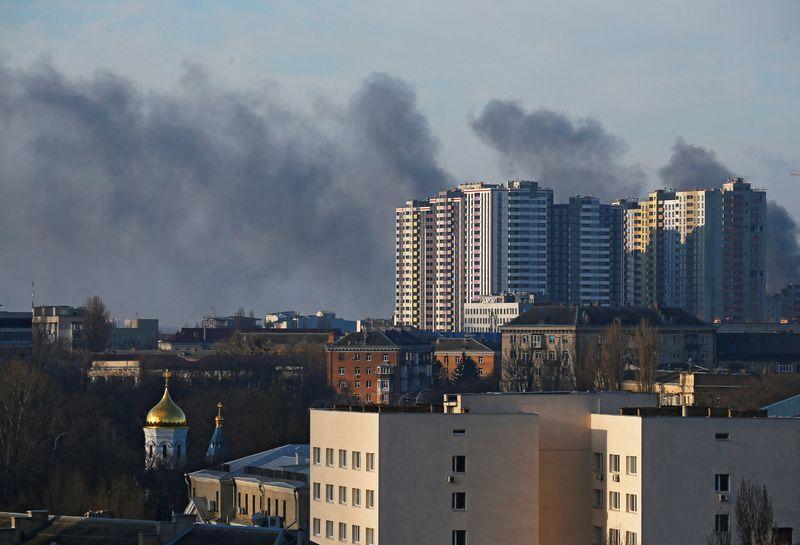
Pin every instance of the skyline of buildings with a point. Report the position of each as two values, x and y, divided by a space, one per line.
701 250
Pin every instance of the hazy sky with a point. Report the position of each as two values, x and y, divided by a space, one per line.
298 79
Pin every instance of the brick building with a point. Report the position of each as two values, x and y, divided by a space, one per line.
380 366
448 353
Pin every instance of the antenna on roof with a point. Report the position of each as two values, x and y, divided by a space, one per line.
33 294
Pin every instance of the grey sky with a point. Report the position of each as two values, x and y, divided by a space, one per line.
722 75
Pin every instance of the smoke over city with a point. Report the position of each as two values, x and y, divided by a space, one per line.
571 157
173 202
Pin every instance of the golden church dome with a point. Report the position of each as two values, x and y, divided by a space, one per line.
166 413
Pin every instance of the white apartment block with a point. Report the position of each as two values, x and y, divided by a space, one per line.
544 468
493 311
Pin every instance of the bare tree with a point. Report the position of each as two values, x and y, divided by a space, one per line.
96 325
611 364
718 537
645 346
517 373
754 514
584 353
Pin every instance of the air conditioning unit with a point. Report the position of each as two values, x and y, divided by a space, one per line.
722 497
451 479
615 478
598 476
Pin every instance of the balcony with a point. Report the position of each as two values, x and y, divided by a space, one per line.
386 370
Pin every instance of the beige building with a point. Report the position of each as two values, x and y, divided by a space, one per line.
544 468
273 483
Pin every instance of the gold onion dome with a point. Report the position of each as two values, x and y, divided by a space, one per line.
166 413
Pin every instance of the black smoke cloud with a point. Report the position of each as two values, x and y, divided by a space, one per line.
168 203
692 166
579 157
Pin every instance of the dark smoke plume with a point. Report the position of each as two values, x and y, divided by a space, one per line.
692 166
571 157
169 203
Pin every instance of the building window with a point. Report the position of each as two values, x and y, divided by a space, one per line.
722 436
355 533
613 537
597 498
369 384
480 359
385 358
356 497
329 529
613 463
342 494
597 461
459 501
630 465
329 493
317 492
356 460
631 503
722 523
722 482
369 369
459 537
459 431
340 356
536 340
370 461
357 384
369 358
597 535
370 536
317 456
357 371
329 457
370 499
341 370
356 357
342 458
613 500
317 526
630 538
459 464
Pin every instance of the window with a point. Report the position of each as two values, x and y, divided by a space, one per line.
329 529
357 371
480 360
370 536
630 465
356 357
459 464
356 460
459 537
317 526
355 497
369 358
722 482
316 456
631 503
340 356
370 461
459 501
370 499
722 523
597 461
597 498
613 537
355 533
341 370
613 500
342 494
385 358
597 535
317 492
329 457
722 436
630 538
342 458
329 493
613 463
369 369
459 432
342 531
536 340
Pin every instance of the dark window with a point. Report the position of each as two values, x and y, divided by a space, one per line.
722 436
721 523
164 450
459 432
284 509
459 501
459 537
722 482
459 464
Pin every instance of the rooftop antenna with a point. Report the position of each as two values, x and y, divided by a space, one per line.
33 294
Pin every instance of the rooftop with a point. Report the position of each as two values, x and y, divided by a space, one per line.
593 316
392 337
465 344
286 464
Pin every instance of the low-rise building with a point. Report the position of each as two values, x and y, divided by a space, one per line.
449 351
759 353
379 366
543 468
679 388
136 334
273 483
61 324
16 334
494 311
322 319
